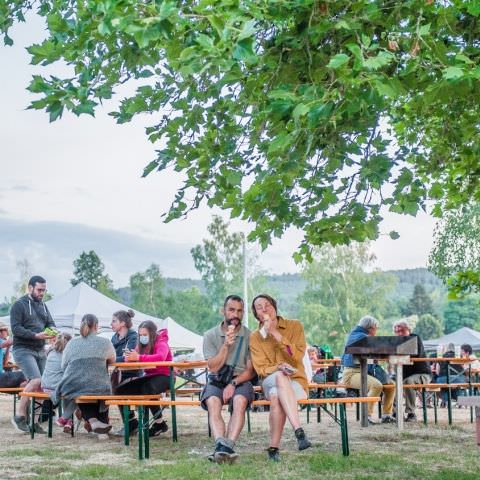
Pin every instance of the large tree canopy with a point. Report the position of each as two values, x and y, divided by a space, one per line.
304 113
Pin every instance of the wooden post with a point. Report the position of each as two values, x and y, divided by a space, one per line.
399 361
363 391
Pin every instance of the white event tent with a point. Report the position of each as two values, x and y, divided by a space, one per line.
459 337
68 309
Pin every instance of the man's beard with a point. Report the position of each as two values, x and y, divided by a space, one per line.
229 321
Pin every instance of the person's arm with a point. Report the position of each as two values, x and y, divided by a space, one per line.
217 359
160 353
293 350
111 355
16 323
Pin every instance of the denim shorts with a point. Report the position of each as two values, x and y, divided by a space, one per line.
31 362
269 386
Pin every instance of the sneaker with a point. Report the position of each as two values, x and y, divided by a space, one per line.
87 426
302 440
38 429
411 417
371 421
99 427
224 454
273 454
132 428
157 428
388 419
102 436
20 424
68 428
61 422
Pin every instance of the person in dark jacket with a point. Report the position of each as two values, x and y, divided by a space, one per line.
417 372
367 326
29 317
455 374
125 339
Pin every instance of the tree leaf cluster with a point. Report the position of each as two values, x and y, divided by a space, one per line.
302 113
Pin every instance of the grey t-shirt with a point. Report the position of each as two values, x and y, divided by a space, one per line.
213 340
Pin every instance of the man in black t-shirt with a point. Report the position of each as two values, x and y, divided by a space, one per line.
417 372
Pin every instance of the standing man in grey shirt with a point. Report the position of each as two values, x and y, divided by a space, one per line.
226 347
29 317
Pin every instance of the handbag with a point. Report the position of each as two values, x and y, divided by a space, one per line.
224 376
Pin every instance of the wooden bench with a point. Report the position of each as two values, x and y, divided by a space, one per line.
15 391
37 396
143 437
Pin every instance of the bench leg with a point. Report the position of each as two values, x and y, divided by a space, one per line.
50 419
449 405
32 418
344 430
477 414
15 397
249 426
424 405
173 408
141 432
126 425
146 435
435 404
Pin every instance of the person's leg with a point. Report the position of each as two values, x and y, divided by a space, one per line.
98 420
33 385
237 419
411 393
287 399
215 419
374 387
388 399
153 385
276 420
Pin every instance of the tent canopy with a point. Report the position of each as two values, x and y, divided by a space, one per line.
68 309
461 336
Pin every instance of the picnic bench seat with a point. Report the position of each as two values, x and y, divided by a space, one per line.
15 391
143 437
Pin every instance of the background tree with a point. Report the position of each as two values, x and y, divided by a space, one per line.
462 313
147 293
420 303
89 268
428 327
25 272
455 255
286 114
340 291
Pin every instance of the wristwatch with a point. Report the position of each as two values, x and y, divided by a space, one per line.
234 383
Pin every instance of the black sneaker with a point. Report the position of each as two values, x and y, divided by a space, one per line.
388 419
302 440
157 428
224 454
273 454
411 417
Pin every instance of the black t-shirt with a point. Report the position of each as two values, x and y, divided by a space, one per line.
417 367
454 368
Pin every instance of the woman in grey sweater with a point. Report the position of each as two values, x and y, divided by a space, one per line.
84 363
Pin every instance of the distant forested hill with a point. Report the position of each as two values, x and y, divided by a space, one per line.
288 286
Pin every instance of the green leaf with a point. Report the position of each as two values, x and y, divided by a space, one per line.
338 60
248 30
7 40
424 30
453 73
243 51
300 110
394 235
279 143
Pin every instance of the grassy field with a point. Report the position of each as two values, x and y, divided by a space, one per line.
379 452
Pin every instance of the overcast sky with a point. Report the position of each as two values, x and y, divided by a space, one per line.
76 185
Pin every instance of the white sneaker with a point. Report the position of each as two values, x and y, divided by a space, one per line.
102 436
99 427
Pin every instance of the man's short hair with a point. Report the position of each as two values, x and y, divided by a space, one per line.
467 348
368 322
235 298
36 279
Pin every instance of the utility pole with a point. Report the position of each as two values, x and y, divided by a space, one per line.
245 279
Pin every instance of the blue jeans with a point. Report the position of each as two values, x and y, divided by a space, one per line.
460 378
